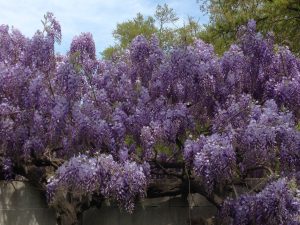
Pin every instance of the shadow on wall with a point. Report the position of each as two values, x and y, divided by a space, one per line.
22 204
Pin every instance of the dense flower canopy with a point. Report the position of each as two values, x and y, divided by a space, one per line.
115 124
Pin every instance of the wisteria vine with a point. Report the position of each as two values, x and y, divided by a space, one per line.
224 118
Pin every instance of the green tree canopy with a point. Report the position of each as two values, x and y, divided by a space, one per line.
282 17
126 31
162 24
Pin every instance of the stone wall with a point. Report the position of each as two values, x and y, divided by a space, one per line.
160 211
22 204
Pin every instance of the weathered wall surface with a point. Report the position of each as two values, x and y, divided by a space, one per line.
162 211
22 204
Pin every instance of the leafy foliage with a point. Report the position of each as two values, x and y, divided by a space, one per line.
226 16
162 24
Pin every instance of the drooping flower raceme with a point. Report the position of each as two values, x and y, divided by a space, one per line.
278 203
214 160
122 182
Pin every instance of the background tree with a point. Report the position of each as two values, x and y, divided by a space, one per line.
189 32
162 24
126 31
282 17
165 15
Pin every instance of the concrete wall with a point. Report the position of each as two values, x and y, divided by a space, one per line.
160 211
22 204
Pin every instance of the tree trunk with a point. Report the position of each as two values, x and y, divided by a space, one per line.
68 210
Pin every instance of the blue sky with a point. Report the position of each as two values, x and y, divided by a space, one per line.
96 16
